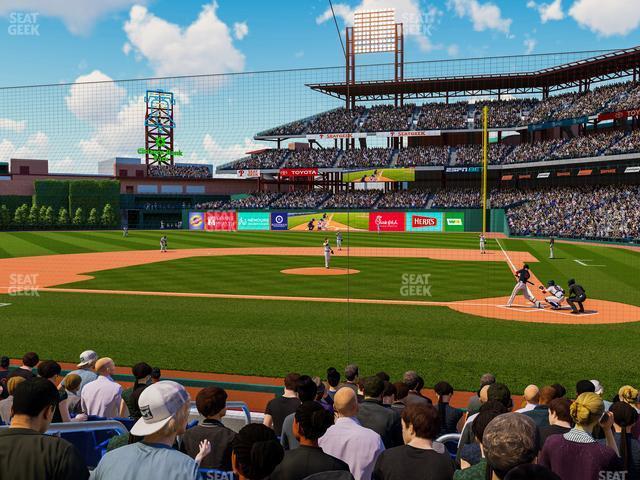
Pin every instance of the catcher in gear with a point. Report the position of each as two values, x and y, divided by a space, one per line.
556 294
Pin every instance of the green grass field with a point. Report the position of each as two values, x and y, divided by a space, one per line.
271 337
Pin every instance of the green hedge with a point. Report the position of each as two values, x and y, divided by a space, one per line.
88 194
52 193
14 201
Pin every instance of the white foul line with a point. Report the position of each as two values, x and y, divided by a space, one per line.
585 264
4 304
513 267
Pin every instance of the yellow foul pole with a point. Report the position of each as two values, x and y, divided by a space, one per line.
485 147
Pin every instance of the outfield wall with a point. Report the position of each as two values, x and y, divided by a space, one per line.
445 220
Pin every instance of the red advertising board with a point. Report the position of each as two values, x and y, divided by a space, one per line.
298 172
617 115
221 221
386 221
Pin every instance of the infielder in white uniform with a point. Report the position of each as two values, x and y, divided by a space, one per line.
339 240
523 275
482 243
327 252
551 245
556 297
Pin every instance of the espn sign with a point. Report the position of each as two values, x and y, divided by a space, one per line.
386 221
298 172
248 173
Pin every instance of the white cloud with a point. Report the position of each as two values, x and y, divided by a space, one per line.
205 46
418 22
613 17
548 11
35 147
240 30
529 45
453 50
484 16
12 125
218 154
79 16
95 102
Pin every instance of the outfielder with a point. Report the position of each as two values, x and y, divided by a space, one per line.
551 245
339 240
125 231
482 243
523 275
163 244
327 252
557 294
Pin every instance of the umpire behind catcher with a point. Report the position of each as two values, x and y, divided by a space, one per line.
577 294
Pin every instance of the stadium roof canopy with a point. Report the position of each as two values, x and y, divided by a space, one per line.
576 74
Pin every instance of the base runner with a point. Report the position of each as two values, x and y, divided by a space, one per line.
556 297
327 252
523 275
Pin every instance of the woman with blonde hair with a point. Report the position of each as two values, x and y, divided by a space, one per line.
5 404
576 455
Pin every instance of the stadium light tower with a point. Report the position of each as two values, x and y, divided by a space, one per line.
374 31
159 125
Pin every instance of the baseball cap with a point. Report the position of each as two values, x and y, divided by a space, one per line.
598 387
158 404
87 357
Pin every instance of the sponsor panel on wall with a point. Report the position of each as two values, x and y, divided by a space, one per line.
254 221
424 221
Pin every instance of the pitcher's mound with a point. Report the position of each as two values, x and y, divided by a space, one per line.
319 271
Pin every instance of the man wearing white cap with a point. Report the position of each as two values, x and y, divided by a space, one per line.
165 412
102 397
85 369
599 390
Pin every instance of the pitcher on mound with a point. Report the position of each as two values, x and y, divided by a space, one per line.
327 252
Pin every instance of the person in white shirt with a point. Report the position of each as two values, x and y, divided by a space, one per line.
102 396
531 397
357 446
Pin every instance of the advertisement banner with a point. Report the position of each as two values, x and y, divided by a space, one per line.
454 222
254 221
196 221
409 133
618 115
248 173
386 221
558 123
424 222
334 136
279 221
221 221
298 172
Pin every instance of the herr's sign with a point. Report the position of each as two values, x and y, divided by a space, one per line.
298 172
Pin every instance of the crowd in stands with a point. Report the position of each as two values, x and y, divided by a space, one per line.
212 205
503 113
386 118
587 145
354 427
423 156
301 199
293 128
443 116
166 205
180 171
457 198
417 198
353 199
311 157
336 121
472 154
255 200
609 212
630 143
533 152
269 159
365 158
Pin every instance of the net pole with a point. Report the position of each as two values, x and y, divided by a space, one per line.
485 147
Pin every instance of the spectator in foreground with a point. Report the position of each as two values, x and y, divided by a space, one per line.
349 441
212 405
584 386
85 369
531 397
448 415
471 454
5 404
25 451
279 408
306 390
559 420
560 451
71 386
531 472
156 375
416 459
333 379
256 452
401 394
165 412
30 361
311 422
102 396
50 370
509 441
540 413
599 390
624 418
351 373
4 372
411 379
475 402
129 406
374 415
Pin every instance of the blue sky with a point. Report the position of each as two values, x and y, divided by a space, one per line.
53 42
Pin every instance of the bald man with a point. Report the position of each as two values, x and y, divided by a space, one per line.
349 441
531 396
102 397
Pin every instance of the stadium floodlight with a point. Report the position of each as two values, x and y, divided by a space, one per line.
374 31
